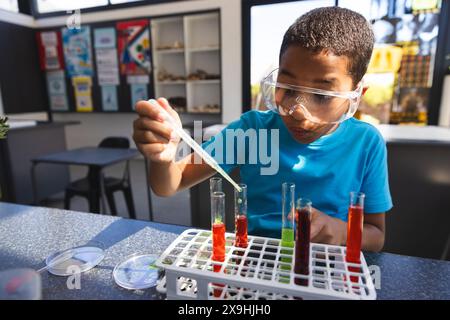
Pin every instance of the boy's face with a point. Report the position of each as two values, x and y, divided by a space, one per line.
322 70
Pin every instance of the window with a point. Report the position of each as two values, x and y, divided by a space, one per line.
122 1
268 25
47 6
9 5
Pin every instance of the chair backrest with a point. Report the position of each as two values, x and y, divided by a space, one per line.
112 142
115 142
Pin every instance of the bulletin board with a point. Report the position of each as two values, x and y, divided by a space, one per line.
93 76
112 75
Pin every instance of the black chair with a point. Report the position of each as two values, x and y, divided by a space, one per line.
83 187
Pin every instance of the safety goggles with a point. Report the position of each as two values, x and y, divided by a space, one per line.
316 105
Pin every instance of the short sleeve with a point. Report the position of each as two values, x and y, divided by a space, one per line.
375 182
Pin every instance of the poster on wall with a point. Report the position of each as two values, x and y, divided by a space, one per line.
83 95
133 41
138 92
56 87
109 98
107 66
106 56
50 50
77 51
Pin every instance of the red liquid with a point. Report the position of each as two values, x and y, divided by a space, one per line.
302 241
218 240
241 231
354 237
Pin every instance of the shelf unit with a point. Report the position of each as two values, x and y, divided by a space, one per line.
186 52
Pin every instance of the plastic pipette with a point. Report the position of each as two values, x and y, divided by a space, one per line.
195 146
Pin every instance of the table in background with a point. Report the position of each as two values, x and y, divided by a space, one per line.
95 158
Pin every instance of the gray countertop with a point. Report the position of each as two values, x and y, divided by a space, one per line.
29 234
391 133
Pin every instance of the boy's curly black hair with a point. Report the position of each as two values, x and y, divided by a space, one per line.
341 31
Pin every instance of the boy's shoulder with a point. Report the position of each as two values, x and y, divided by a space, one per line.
259 119
366 131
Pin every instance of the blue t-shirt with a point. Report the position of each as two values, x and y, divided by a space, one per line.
352 158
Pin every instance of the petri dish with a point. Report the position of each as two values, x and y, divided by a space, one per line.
78 259
137 272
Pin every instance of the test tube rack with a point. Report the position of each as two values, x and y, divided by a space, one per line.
262 271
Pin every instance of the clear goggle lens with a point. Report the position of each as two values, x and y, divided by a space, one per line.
316 105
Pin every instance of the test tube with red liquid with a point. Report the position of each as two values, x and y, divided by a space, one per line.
240 216
354 231
302 240
218 232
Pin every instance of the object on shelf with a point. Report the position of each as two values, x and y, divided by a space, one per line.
175 45
163 75
203 75
207 108
178 103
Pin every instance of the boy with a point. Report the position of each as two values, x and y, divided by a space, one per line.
322 149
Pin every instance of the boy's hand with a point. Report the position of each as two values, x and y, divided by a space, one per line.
326 229
153 136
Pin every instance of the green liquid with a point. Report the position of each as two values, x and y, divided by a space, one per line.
287 238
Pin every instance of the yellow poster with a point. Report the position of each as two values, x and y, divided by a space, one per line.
83 93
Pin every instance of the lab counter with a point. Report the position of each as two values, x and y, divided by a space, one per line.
29 234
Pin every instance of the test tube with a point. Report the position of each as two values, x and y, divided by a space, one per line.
240 214
288 214
354 230
218 233
302 240
218 225
215 185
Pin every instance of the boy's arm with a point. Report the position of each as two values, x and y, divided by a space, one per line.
155 139
168 178
326 229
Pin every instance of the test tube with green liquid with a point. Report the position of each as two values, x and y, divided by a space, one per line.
288 211
287 230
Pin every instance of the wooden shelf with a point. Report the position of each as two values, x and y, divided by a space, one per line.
169 51
212 81
203 49
170 83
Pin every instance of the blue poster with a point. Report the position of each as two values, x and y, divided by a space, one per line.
105 38
77 51
56 88
138 92
109 98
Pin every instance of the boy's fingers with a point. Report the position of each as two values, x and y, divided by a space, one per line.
153 148
316 225
145 137
146 109
166 105
154 126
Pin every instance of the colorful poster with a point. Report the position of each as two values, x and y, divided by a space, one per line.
133 42
83 96
109 98
138 92
50 50
56 88
77 51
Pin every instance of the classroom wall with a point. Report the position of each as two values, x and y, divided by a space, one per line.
94 127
